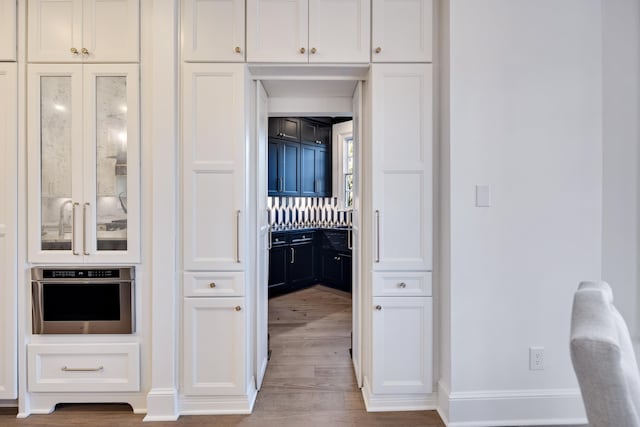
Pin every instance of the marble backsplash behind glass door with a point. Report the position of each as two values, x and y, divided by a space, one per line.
58 142
305 212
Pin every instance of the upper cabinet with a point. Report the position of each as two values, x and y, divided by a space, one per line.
83 150
7 30
83 30
213 30
402 30
314 31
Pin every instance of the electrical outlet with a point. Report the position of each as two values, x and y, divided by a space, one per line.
536 358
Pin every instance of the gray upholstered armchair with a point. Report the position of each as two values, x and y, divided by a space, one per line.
603 358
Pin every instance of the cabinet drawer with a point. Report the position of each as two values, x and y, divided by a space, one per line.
402 284
213 284
83 367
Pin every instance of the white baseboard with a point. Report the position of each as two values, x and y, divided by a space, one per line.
511 407
217 405
396 402
8 403
45 403
162 405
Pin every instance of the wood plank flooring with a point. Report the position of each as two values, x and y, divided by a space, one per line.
309 380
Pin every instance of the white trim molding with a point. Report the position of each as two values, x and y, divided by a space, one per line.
511 407
162 404
397 402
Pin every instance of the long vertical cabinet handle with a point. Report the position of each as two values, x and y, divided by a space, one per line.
73 228
270 230
238 236
377 236
84 228
349 231
293 256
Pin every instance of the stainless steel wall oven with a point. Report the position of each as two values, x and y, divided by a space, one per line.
82 300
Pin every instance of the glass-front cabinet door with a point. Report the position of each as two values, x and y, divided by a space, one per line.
83 163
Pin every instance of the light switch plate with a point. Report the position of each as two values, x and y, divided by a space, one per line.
483 196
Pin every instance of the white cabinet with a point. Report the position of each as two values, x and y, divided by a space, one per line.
402 345
214 168
314 31
8 230
213 30
215 349
401 233
402 140
215 238
83 30
402 30
83 151
8 19
83 367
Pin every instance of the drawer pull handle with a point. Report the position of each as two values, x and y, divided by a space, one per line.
238 308
402 285
212 285
65 369
379 307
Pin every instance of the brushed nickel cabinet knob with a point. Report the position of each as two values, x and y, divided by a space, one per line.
379 307
212 285
74 50
237 49
378 49
313 50
402 285
302 50
238 308
84 51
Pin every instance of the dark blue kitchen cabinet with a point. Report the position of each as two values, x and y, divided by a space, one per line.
299 168
285 128
283 168
291 262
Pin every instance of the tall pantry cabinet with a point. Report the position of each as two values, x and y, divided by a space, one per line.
216 369
400 194
8 196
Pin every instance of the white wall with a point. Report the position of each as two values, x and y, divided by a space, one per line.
621 137
525 118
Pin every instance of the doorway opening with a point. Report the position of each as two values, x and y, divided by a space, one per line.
308 134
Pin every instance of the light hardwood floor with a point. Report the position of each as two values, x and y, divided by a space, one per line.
309 380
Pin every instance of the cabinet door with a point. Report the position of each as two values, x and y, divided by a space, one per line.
110 30
8 19
213 30
402 31
323 172
278 259
308 172
55 30
339 31
401 141
111 202
277 30
213 142
83 163
402 345
301 270
273 179
289 163
8 230
331 267
55 167
214 346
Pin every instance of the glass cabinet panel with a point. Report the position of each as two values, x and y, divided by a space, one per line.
56 162
111 163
